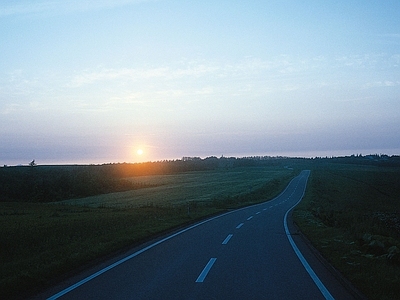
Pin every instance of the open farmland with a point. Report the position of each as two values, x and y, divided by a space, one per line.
42 241
350 212
178 189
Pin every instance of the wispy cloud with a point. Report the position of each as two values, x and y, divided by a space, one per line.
89 77
126 74
178 82
10 108
364 60
251 78
395 60
247 68
32 107
17 83
384 83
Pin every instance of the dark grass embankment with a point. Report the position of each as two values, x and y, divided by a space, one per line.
42 242
351 214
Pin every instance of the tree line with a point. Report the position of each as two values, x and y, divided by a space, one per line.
35 183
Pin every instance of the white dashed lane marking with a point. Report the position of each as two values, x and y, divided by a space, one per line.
226 240
206 269
240 225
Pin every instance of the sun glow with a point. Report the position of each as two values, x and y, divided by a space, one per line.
139 152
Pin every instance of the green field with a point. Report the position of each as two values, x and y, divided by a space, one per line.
186 187
351 213
42 241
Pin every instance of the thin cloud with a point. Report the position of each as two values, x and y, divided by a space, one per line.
395 60
243 69
11 108
125 74
384 83
33 107
116 74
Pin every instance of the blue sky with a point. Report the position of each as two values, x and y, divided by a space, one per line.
94 81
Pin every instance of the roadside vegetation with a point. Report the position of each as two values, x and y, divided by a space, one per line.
351 214
57 220
43 240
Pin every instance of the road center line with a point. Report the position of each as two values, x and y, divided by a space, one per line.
121 261
249 218
240 225
226 240
206 269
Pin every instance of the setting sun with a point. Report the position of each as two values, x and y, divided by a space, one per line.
139 151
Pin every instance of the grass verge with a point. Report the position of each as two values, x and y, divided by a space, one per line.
351 214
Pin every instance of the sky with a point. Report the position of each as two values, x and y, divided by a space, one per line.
90 82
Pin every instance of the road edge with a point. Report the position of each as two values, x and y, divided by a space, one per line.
294 230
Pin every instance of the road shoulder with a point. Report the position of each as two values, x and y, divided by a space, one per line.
325 271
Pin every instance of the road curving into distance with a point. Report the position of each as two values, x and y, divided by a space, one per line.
247 253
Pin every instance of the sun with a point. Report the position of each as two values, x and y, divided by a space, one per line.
139 151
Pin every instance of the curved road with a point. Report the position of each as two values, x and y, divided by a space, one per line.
244 254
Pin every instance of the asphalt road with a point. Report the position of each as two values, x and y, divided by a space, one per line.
244 254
